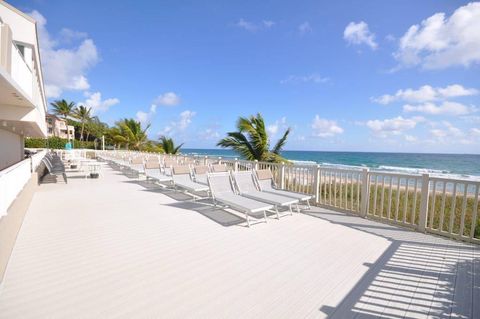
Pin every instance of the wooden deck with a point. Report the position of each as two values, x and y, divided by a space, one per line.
121 248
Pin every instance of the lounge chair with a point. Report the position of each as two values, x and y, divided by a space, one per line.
136 164
266 184
222 191
182 178
152 171
247 187
218 168
200 174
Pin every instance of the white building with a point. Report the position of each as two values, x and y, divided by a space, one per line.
22 97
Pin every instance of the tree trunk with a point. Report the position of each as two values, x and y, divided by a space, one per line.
81 132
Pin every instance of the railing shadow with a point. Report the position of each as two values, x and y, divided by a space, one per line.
417 276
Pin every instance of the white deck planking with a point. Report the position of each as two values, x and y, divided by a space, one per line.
119 248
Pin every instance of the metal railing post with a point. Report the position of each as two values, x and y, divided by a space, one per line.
282 176
422 221
235 166
365 193
205 161
255 165
316 183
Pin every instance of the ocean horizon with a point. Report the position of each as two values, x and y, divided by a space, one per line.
448 165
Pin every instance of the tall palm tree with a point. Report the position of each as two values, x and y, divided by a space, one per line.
251 140
130 133
83 114
63 108
168 145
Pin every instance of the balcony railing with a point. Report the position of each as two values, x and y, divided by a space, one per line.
21 72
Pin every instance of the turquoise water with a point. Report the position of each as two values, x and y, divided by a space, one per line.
457 165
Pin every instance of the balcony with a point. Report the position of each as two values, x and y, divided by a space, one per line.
21 96
120 247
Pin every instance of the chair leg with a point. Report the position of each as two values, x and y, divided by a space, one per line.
308 204
248 219
276 211
298 208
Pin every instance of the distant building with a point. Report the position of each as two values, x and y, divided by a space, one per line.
22 95
59 127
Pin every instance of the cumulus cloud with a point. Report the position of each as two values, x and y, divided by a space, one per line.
358 33
94 100
305 28
310 78
447 108
167 99
426 93
325 128
439 42
180 125
209 134
252 26
64 69
393 126
279 124
146 117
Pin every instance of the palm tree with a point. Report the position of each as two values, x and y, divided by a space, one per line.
83 114
168 145
251 140
63 108
130 133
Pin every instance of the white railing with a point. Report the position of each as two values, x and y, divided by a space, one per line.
14 178
444 206
21 73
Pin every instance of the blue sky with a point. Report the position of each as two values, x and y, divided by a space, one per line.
398 76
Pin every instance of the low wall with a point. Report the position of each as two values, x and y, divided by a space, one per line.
11 223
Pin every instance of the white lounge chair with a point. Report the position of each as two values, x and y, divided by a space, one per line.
182 178
200 174
152 171
136 164
218 168
247 187
222 191
266 184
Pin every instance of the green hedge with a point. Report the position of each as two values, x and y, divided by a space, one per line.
56 143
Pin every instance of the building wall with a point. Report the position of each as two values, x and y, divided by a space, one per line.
11 148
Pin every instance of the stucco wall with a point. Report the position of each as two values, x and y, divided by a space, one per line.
11 148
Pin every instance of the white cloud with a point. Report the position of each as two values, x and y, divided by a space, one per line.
167 99
311 78
449 134
180 125
447 108
279 124
146 117
325 128
209 134
252 26
305 28
64 69
94 100
268 23
440 42
426 93
394 126
185 119
358 33
411 138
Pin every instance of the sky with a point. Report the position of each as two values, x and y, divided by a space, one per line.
385 76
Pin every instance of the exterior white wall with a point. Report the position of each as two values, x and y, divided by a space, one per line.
11 148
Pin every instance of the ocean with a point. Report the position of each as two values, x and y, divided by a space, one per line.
451 165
